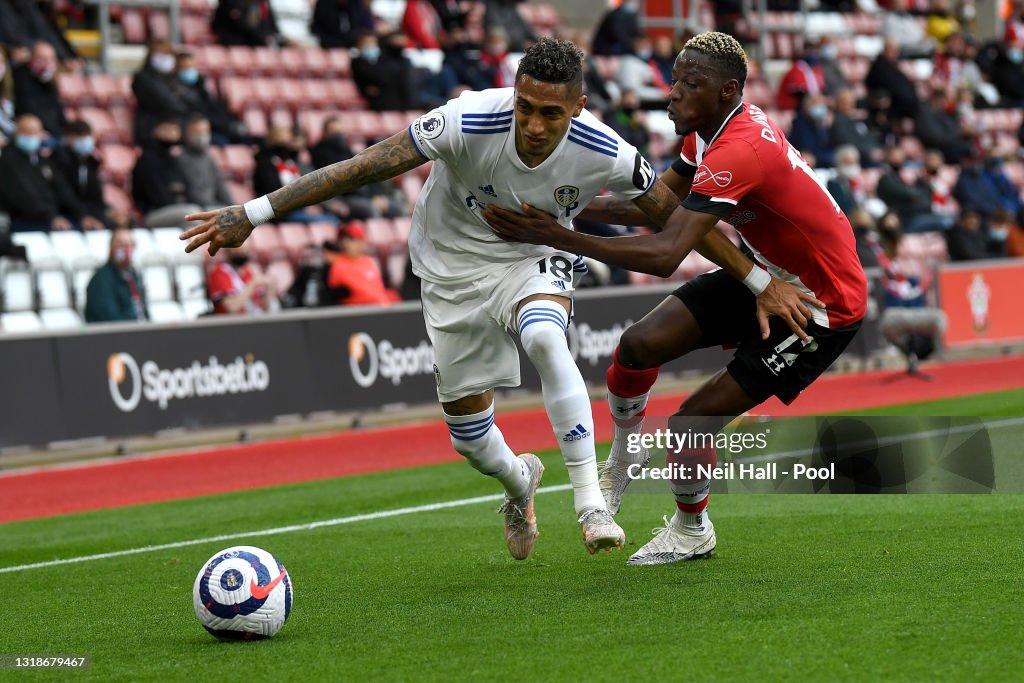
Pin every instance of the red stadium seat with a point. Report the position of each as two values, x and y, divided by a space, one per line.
345 95
256 121
118 162
267 244
211 60
133 26
239 161
195 30
159 25
280 118
311 121
380 233
291 61
74 90
122 116
111 89
323 232
104 128
339 63
295 237
402 227
266 61
315 93
118 199
315 61
282 274
240 192
241 60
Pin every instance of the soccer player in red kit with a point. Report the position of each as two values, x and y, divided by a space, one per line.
736 166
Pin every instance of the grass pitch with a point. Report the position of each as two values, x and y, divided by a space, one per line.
802 587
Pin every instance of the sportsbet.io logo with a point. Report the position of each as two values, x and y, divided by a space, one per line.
130 382
368 360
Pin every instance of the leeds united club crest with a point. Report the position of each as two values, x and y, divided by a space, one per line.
566 195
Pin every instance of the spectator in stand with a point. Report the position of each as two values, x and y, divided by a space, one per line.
629 122
803 78
846 187
953 68
277 164
850 129
638 73
81 172
912 201
908 322
453 13
863 232
601 94
421 25
1008 73
906 31
377 200
983 187
879 119
885 75
462 63
157 90
938 127
618 28
23 22
812 131
337 22
384 76
1000 226
309 288
115 291
35 89
236 287
191 87
968 240
505 15
664 56
204 182
6 98
246 22
159 185
495 59
32 187
828 58
354 278
942 23
942 197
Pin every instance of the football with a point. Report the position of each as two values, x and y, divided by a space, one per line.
242 593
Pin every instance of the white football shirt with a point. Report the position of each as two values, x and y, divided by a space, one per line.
471 140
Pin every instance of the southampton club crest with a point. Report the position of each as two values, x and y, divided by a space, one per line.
566 195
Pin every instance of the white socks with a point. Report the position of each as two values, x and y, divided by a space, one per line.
479 441
542 326
628 417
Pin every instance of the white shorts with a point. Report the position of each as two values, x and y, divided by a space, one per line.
470 324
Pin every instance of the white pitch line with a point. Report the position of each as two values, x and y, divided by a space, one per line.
277 530
886 440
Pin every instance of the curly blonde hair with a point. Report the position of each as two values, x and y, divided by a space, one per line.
725 53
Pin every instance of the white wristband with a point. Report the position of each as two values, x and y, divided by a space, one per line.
259 210
757 280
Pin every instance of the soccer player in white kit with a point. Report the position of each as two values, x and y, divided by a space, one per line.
533 144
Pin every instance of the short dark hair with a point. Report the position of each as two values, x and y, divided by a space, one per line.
78 128
724 52
553 61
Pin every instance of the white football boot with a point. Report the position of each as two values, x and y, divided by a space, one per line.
600 532
520 520
614 473
676 542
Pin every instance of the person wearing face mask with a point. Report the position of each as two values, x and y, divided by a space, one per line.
277 164
805 77
828 59
811 131
156 93
505 15
628 121
911 201
32 187
191 88
115 292
495 59
846 186
615 33
204 182
246 22
384 76
81 171
235 286
336 22
159 183
35 89
938 127
1008 73
637 72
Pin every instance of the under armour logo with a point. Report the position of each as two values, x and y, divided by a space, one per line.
629 408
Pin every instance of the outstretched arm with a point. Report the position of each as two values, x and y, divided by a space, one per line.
230 226
625 211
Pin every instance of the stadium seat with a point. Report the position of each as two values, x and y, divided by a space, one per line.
291 61
267 244
339 63
191 281
295 237
195 30
345 95
166 312
60 319
74 90
80 278
380 233
193 308
322 232
402 226
280 118
117 199
315 62
98 244
170 248
282 273
146 249
72 248
18 290
240 192
109 89
21 321
311 121
104 128
241 60
240 161
157 281
133 26
265 61
118 161
39 248
53 288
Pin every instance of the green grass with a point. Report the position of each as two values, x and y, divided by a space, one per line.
999 403
803 587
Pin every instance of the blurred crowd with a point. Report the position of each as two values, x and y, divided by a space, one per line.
901 147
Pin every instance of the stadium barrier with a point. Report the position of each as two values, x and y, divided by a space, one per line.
125 379
981 302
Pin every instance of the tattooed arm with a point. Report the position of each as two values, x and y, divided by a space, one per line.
625 211
229 227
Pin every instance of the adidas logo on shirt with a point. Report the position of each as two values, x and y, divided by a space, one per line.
578 433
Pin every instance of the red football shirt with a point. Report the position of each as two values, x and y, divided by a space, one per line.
750 176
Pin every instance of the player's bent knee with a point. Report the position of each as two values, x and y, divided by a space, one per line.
636 351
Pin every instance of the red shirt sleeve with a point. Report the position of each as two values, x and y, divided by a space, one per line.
219 284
